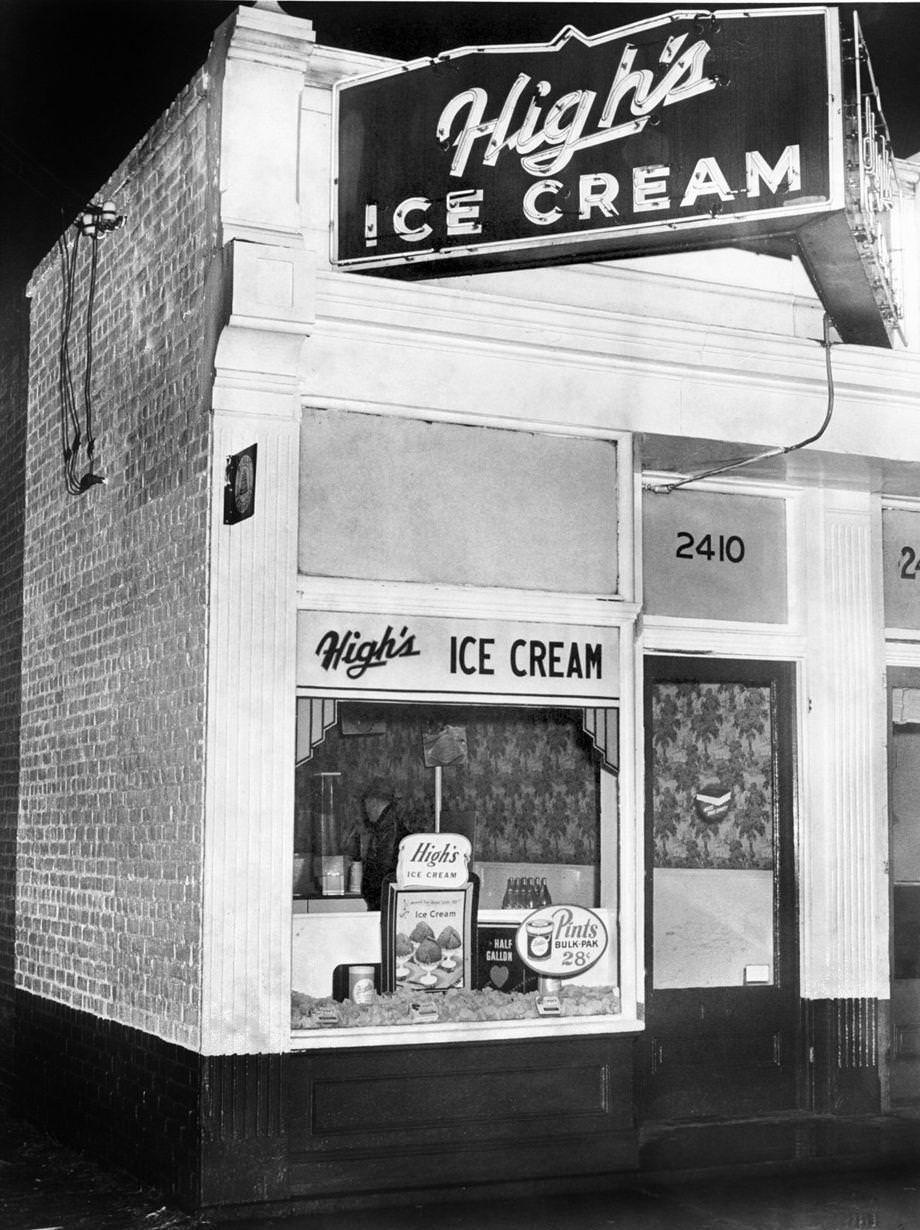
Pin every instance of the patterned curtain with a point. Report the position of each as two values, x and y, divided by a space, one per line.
528 792
712 785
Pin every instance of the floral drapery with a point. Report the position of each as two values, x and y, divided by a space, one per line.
712 740
528 792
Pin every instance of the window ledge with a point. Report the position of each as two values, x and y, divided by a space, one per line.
461 1031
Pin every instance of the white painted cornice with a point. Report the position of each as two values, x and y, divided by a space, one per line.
608 366
603 318
331 64
266 37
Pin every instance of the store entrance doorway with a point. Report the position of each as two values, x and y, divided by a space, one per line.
904 808
722 1006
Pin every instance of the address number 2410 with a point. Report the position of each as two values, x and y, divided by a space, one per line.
722 547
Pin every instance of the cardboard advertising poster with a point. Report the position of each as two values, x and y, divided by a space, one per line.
428 915
429 936
500 966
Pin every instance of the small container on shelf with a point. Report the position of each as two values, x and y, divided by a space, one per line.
355 877
360 983
361 980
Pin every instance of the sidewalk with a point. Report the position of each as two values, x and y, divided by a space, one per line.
45 1186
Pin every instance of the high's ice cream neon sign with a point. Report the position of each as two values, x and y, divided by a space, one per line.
694 129
550 133
650 190
616 142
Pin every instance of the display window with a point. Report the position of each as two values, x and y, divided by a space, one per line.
460 865
531 788
521 784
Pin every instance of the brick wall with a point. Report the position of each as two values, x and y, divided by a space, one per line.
13 398
115 595
130 1098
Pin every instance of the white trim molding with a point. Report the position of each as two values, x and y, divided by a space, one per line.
844 821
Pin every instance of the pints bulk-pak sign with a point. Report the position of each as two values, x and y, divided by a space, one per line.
679 131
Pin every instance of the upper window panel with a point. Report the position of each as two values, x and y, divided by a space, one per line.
708 555
394 499
901 562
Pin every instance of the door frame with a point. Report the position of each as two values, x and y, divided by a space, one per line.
899 1085
782 675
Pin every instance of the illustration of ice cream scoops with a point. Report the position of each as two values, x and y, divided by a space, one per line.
421 931
404 949
450 943
428 957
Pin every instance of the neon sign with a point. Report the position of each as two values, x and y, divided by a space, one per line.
678 131
691 130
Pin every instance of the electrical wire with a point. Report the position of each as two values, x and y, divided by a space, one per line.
75 433
88 367
725 467
65 381
71 434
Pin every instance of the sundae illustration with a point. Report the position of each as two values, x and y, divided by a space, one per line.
404 950
428 958
450 943
425 959
421 931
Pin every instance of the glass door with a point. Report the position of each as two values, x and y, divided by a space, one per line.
722 1001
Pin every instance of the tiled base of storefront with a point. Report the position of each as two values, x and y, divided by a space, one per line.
329 1128
357 1128
117 1093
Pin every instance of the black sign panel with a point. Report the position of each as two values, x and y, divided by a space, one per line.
240 486
677 131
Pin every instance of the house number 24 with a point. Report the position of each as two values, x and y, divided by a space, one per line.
910 565
710 547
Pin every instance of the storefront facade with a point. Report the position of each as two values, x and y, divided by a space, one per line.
458 516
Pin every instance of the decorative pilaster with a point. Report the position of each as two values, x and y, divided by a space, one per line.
843 837
249 803
268 310
843 834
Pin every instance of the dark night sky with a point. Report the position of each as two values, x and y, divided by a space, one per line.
82 80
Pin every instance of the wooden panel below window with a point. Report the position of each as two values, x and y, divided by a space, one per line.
415 1117
742 1051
